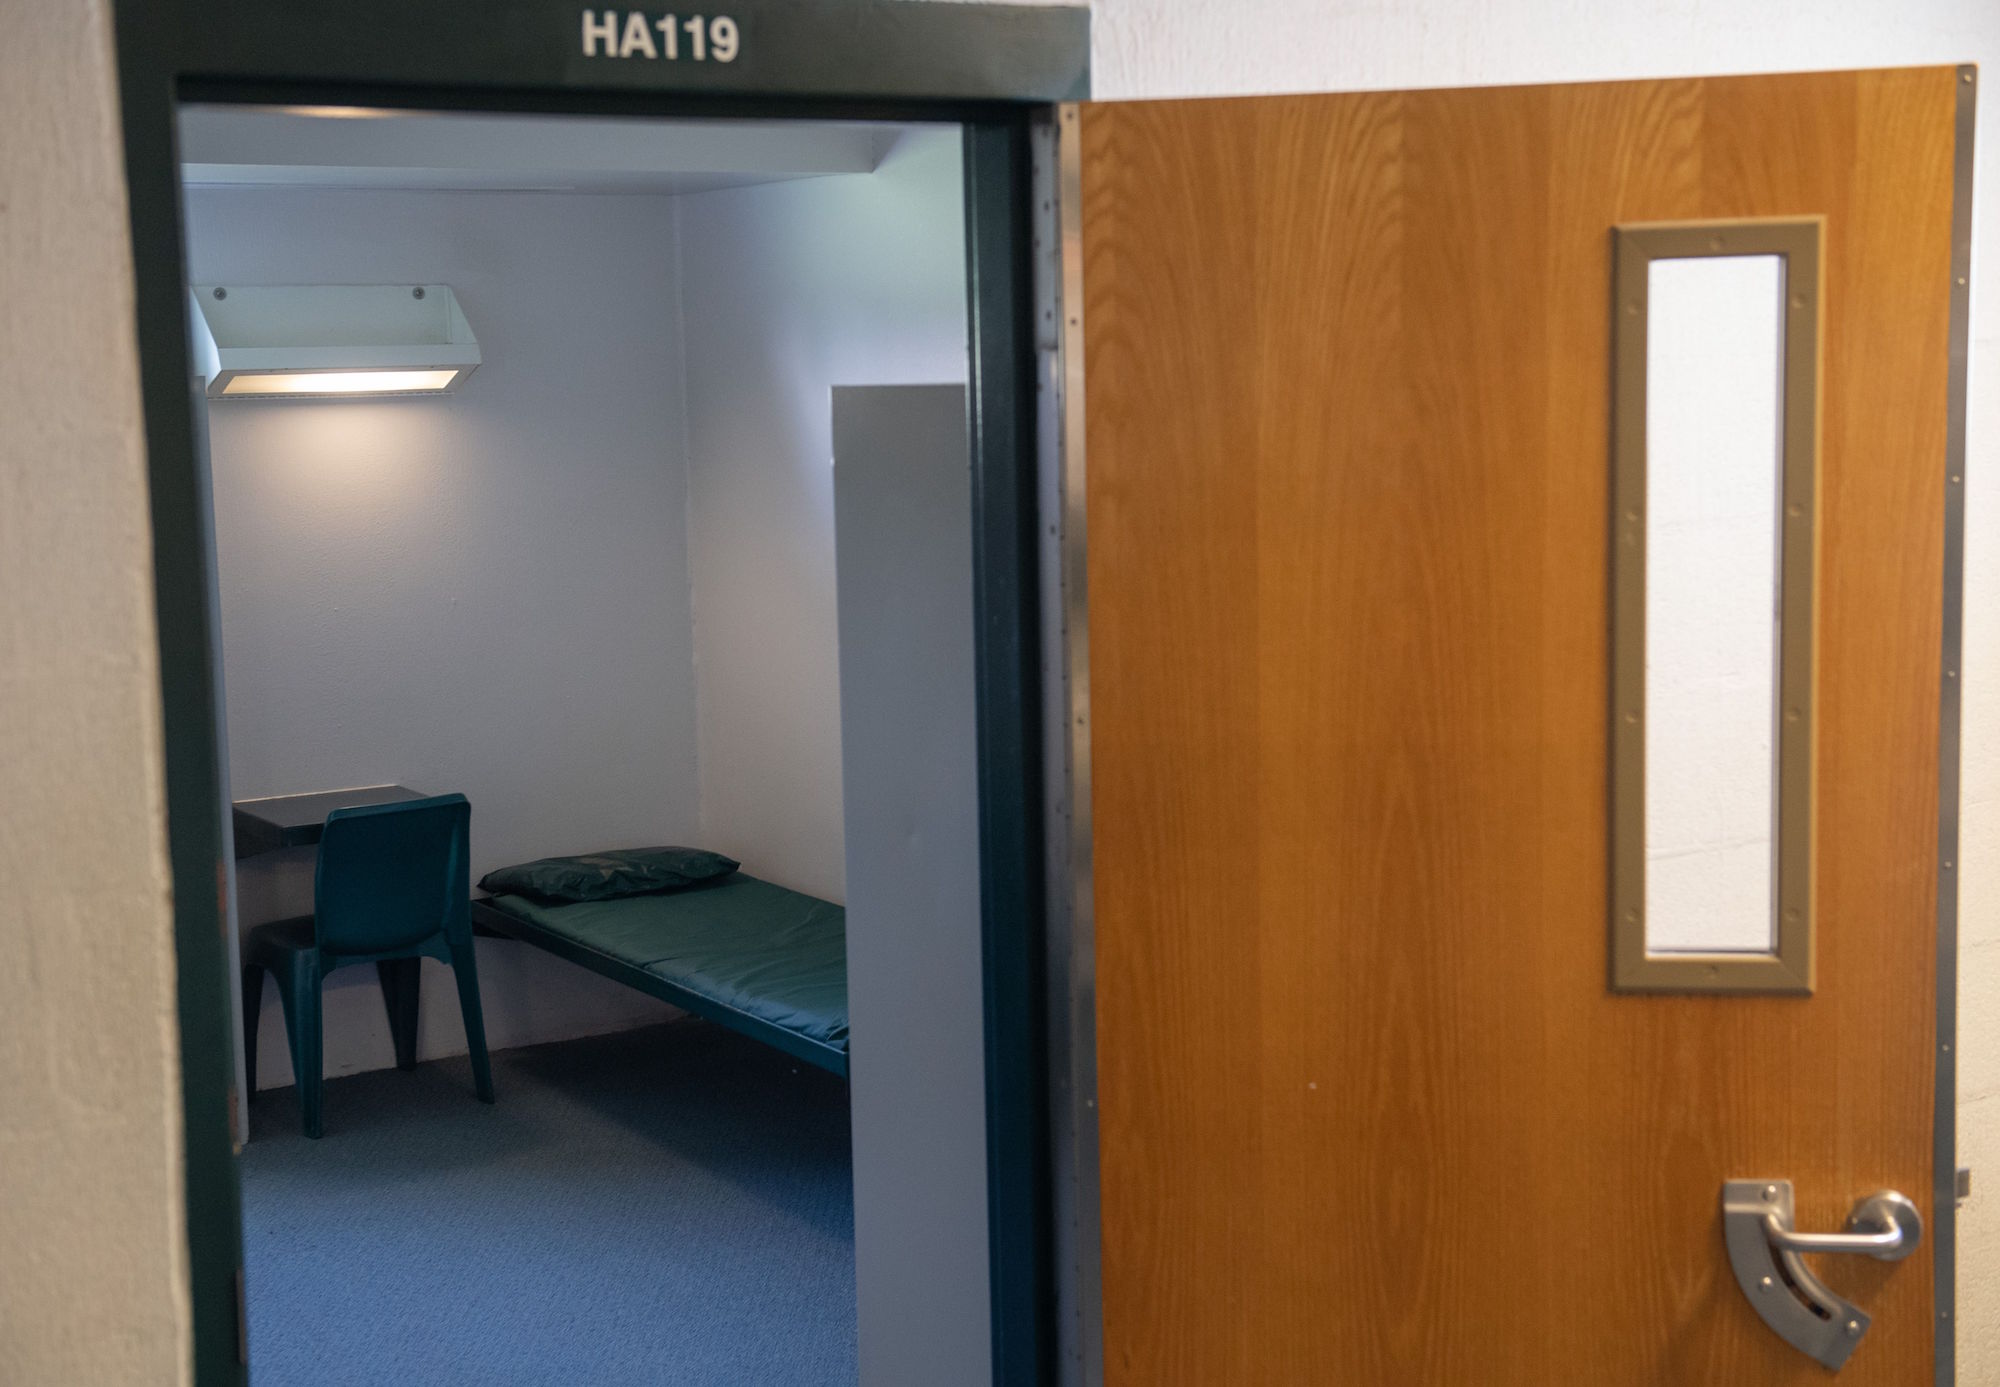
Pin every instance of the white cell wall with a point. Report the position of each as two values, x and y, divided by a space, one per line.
484 592
789 290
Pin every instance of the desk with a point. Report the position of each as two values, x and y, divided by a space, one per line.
296 821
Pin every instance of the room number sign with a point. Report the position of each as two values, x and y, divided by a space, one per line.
663 37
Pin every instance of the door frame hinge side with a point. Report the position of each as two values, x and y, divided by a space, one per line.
1949 1182
1066 720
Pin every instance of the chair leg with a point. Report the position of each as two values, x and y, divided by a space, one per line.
466 972
402 983
253 1009
302 1020
288 1004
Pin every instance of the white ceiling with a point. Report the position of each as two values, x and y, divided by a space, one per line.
348 148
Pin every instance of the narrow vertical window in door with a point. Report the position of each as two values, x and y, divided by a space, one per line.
1714 445
1715 476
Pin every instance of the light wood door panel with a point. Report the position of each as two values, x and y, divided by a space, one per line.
1369 1112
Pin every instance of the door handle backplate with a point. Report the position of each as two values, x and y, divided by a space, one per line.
1765 1252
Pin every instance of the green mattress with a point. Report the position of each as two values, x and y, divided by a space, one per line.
754 948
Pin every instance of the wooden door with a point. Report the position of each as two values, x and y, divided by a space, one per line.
1370 1112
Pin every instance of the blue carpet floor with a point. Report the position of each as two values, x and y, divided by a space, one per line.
668 1206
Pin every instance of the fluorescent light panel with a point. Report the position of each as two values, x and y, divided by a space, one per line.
340 382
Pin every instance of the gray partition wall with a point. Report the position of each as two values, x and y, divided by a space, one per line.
902 496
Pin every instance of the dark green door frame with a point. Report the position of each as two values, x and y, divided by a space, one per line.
985 67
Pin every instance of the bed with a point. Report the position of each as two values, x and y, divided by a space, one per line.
741 952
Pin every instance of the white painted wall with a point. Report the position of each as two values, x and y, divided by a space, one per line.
915 991
790 289
93 1239
485 592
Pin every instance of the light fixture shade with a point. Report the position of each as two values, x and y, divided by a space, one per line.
330 341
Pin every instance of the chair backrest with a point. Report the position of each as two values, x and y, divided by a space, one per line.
391 875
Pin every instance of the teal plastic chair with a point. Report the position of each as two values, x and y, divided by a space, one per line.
391 887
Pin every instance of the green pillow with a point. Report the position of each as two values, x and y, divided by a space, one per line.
606 876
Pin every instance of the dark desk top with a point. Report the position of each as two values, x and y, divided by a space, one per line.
296 821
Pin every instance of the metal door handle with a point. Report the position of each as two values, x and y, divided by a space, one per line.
1885 1225
1764 1251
